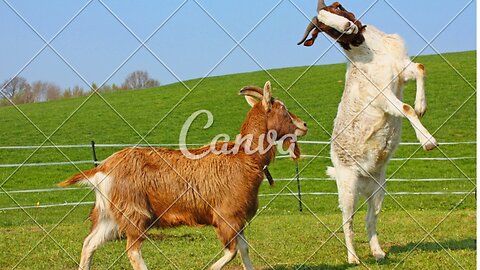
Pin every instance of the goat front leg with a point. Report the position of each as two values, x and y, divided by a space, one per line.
415 71
227 231
134 253
394 106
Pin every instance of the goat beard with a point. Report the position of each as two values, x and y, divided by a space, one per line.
292 147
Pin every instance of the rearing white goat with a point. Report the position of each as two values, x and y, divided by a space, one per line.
369 119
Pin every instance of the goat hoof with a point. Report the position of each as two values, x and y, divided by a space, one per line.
430 145
420 109
353 260
420 112
379 255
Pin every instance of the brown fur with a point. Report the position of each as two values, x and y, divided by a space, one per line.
163 188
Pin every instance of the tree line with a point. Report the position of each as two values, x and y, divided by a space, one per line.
20 91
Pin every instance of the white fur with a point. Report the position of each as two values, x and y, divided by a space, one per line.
106 228
102 184
227 257
339 23
368 125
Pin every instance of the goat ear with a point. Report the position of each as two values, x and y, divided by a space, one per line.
267 96
309 42
313 27
251 100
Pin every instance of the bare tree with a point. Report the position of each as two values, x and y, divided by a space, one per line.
67 93
39 91
44 91
25 96
138 80
53 91
12 87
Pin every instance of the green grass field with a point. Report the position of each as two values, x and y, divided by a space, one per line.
417 231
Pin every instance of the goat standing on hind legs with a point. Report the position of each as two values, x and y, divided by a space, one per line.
138 188
369 119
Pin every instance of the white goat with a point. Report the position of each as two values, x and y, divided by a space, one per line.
369 119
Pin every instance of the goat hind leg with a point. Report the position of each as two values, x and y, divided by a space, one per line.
375 195
347 183
103 231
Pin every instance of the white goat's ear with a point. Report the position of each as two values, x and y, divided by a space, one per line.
267 96
251 100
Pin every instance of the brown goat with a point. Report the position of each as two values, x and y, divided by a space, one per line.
138 188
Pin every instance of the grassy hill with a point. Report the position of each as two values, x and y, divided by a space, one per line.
125 117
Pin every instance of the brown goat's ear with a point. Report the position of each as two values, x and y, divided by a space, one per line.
267 96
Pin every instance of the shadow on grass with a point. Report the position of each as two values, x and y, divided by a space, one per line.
466 244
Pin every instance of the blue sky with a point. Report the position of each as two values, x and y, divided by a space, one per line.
191 45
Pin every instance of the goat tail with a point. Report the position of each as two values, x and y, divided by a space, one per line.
80 178
331 172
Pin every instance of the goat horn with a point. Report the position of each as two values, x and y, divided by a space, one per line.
312 25
320 5
253 91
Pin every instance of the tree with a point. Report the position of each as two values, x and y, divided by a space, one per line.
14 86
78 91
53 91
44 91
138 80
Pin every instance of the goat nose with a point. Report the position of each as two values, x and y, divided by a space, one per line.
305 124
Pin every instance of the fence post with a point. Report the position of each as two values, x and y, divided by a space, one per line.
298 187
94 154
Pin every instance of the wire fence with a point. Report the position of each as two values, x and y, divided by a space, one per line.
297 177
